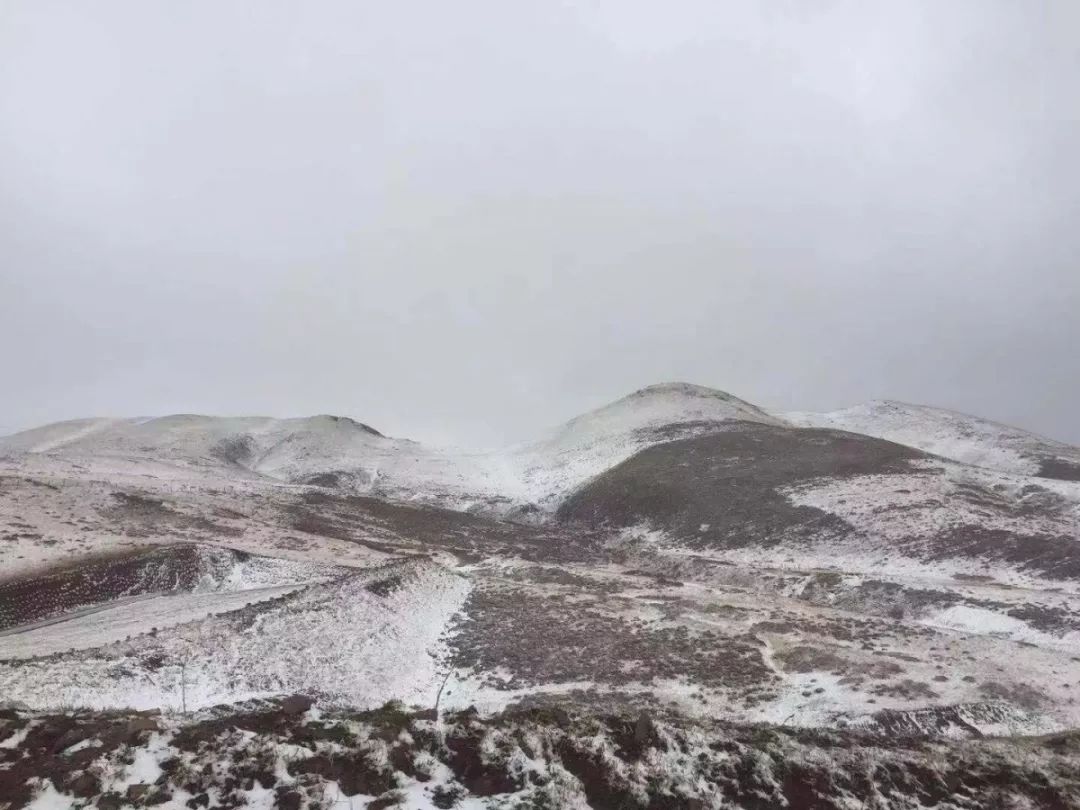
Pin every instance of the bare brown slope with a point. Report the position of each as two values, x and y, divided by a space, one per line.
729 483
726 490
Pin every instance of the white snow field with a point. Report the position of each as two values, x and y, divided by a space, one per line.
339 640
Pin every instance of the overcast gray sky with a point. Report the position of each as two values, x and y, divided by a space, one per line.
467 221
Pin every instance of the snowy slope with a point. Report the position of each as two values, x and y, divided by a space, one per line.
49 437
253 443
656 406
340 452
344 640
953 435
584 447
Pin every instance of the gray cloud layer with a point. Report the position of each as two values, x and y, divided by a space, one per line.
469 220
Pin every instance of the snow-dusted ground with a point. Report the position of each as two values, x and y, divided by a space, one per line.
805 617
339 640
945 433
930 500
55 512
324 759
835 647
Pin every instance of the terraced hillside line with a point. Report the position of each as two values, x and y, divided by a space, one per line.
360 639
75 614
24 600
115 621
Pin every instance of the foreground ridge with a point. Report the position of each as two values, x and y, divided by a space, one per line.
289 754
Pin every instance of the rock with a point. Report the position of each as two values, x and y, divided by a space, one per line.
84 785
143 724
81 759
136 792
158 797
288 800
296 704
644 730
109 801
561 717
135 731
68 739
392 800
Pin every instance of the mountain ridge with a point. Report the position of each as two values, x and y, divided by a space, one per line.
952 434
678 553
541 471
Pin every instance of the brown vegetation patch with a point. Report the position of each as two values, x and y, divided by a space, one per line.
1020 694
550 639
731 482
101 578
625 760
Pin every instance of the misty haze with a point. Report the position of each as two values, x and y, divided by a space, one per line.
539 405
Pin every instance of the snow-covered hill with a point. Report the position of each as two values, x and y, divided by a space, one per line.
952 435
550 469
257 444
342 453
530 480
